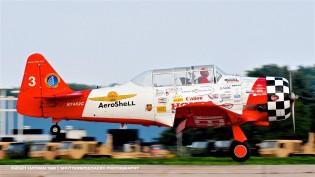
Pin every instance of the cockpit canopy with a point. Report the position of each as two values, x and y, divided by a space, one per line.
182 76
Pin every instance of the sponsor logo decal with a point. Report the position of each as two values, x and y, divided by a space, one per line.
148 107
161 109
194 98
52 80
237 96
225 87
274 97
116 104
113 96
178 99
162 100
231 80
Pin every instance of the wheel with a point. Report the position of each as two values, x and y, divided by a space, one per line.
55 129
239 151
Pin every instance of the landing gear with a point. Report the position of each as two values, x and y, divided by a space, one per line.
239 148
55 129
240 151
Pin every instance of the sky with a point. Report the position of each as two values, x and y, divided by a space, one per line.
102 42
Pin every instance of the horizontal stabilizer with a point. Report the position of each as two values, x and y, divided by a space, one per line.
61 96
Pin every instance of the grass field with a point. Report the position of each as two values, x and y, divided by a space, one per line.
174 161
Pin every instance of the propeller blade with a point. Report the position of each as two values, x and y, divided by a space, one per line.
290 80
293 115
293 98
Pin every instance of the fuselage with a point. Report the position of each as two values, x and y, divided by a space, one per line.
203 94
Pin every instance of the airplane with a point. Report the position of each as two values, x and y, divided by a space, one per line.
183 97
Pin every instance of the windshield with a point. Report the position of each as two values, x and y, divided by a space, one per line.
143 79
268 144
218 74
180 76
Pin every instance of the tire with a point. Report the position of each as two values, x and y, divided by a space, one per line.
239 151
55 129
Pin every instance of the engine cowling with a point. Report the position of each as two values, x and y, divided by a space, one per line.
278 94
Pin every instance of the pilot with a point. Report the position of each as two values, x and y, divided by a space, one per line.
204 73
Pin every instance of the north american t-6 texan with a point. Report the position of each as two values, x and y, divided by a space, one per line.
183 97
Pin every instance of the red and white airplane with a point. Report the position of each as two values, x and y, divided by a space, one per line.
194 96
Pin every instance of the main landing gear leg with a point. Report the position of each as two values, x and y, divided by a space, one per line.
239 148
55 129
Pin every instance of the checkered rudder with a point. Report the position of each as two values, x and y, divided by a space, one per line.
278 94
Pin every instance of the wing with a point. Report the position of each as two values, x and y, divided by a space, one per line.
204 114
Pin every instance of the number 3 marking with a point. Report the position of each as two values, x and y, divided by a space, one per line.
32 81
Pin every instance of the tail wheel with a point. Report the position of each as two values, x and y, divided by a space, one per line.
55 129
240 151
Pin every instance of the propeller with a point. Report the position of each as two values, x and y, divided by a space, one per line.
293 97
293 115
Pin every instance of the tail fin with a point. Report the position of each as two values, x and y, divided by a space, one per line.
40 80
